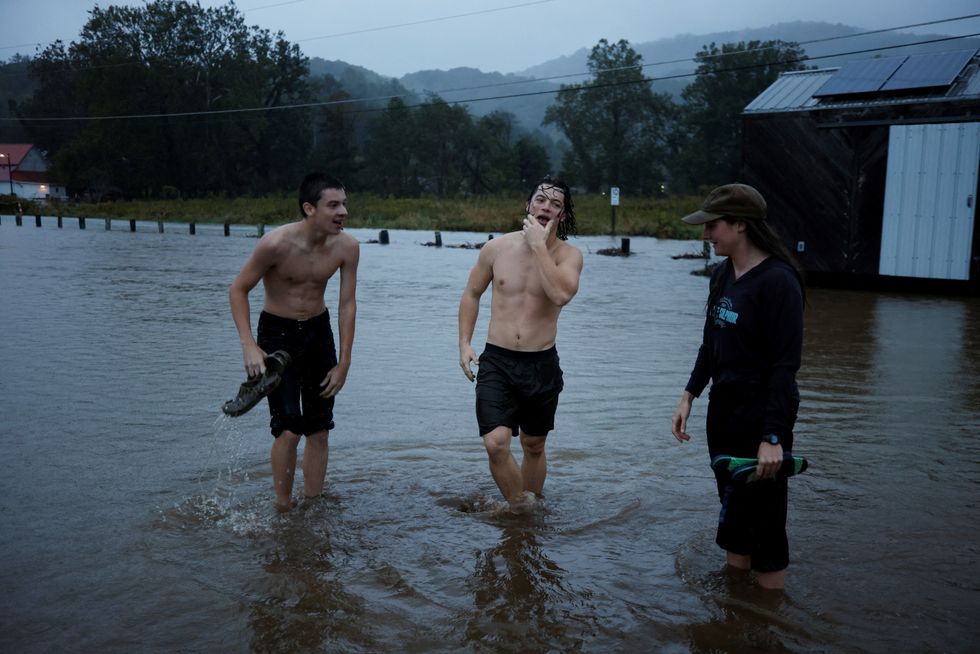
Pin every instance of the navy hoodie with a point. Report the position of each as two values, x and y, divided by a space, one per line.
753 335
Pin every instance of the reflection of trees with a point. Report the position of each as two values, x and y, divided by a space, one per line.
522 600
300 604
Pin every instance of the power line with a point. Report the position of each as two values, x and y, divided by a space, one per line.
361 31
722 55
328 103
425 21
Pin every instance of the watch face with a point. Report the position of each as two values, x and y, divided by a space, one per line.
774 439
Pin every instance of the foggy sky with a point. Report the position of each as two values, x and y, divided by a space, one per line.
394 37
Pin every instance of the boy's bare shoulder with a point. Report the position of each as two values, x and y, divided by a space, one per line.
566 249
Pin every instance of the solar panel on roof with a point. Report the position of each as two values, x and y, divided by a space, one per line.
928 70
861 76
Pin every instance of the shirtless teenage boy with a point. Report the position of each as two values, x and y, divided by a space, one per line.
294 263
534 274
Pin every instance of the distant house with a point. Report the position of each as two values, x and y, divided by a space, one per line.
24 173
871 169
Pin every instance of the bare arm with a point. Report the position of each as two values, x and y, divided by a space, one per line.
255 268
678 423
347 316
469 307
560 278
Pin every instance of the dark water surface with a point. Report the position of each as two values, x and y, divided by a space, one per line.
137 519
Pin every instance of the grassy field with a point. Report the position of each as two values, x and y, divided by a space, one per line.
658 217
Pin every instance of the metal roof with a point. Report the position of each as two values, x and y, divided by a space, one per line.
795 92
791 92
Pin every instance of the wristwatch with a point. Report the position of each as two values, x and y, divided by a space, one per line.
772 439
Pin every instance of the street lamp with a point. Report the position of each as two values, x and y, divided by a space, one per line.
10 170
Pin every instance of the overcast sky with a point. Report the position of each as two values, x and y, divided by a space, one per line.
394 37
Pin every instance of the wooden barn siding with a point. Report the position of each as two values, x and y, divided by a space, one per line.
824 186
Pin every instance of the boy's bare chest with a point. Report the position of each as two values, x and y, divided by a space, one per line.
515 272
309 267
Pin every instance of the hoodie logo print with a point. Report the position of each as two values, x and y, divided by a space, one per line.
723 313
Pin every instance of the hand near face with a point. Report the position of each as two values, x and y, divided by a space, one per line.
536 235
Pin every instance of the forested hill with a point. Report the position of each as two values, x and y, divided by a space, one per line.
824 54
527 93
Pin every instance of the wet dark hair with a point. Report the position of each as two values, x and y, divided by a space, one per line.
761 234
313 185
566 226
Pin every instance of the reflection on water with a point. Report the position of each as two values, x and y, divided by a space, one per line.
522 596
136 519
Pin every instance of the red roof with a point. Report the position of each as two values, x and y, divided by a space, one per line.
17 152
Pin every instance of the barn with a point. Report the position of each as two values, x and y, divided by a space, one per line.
870 169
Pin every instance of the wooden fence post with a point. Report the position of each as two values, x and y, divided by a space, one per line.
81 222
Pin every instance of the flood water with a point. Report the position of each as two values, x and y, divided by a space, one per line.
137 518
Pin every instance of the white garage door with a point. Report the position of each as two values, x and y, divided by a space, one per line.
927 227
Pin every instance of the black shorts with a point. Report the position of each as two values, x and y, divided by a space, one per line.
752 520
518 390
296 404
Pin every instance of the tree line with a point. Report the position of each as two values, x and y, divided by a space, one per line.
174 99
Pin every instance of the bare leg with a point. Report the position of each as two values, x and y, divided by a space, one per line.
284 468
503 466
772 580
769 580
534 467
738 561
315 456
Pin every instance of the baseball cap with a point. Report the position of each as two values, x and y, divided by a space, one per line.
735 200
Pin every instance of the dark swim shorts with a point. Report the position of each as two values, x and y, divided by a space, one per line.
518 389
296 404
752 520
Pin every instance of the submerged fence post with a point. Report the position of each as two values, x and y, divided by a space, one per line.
81 222
160 226
438 239
60 222
37 220
261 230
227 229
108 224
625 246
193 229
383 237
132 225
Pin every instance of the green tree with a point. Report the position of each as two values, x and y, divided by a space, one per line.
390 150
441 140
177 61
532 161
491 159
615 124
728 78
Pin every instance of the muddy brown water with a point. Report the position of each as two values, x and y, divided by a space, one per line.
136 518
